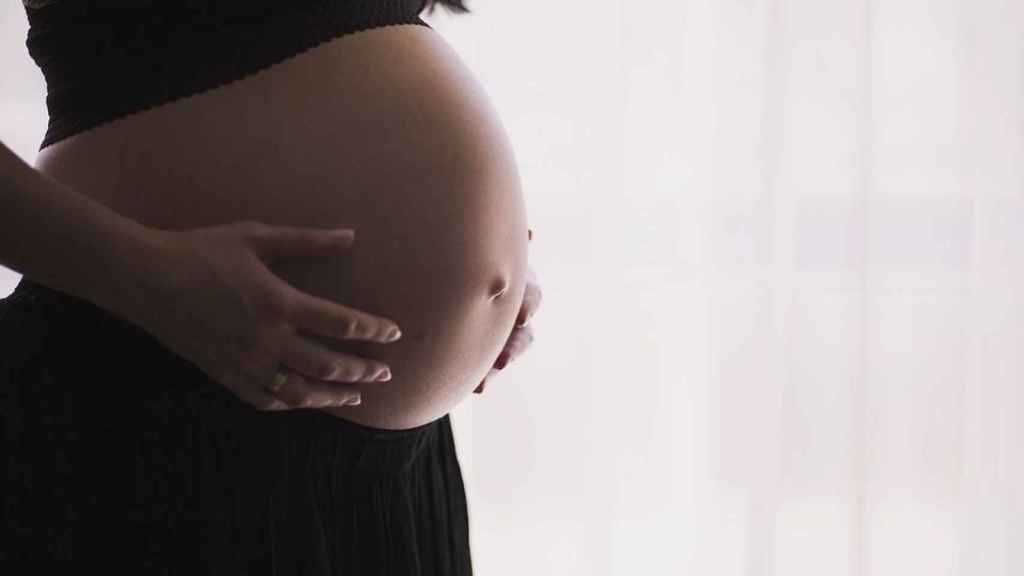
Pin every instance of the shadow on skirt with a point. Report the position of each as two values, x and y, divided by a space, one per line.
121 456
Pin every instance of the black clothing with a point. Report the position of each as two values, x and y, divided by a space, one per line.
104 59
120 457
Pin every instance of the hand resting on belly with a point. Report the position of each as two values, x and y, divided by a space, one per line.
451 275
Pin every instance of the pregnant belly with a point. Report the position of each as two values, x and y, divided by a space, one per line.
384 131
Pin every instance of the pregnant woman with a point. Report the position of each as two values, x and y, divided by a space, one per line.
176 358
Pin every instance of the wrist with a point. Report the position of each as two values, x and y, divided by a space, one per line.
134 268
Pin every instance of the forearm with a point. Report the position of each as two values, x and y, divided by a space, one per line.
67 241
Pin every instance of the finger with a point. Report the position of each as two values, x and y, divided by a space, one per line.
526 312
280 242
320 363
518 342
532 297
328 318
260 399
300 392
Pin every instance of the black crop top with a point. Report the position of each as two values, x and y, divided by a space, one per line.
104 59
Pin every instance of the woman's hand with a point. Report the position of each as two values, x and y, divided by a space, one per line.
217 304
522 333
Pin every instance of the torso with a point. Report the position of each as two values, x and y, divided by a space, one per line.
385 131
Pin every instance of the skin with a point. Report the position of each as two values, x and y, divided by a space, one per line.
412 156
522 334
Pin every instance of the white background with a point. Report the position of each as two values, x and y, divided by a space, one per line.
781 245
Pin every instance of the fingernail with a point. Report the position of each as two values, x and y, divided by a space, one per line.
385 375
393 334
501 363
354 401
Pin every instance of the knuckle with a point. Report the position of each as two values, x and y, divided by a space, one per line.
329 371
360 372
352 328
375 330
339 372
350 373
367 371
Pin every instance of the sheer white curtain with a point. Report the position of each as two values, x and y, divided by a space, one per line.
782 250
782 247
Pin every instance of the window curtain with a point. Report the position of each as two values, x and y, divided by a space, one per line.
782 248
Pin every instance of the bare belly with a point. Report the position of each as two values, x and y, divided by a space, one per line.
385 131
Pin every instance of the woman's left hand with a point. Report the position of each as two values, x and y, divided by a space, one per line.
522 333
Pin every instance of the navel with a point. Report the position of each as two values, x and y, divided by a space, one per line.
499 287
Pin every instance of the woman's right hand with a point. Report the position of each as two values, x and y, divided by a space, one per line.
218 304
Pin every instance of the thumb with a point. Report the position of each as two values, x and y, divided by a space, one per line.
281 242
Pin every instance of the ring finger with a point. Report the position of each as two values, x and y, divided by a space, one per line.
299 392
261 399
317 362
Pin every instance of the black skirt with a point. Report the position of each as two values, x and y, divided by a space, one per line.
122 456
